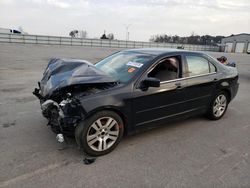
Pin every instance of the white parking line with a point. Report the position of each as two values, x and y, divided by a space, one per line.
30 174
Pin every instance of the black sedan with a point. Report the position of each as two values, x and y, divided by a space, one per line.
131 90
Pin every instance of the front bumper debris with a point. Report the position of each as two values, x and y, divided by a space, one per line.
63 117
53 112
60 138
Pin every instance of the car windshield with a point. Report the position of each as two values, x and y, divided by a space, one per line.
124 65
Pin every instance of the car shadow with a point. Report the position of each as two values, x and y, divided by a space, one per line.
138 136
170 126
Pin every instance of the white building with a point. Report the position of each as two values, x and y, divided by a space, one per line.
239 43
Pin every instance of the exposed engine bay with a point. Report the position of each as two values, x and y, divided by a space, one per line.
64 84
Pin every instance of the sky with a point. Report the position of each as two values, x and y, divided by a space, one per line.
144 18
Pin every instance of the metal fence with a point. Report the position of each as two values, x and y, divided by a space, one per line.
54 40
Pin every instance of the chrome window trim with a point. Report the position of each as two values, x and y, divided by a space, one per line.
179 79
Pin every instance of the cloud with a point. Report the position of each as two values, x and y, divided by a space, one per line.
54 3
148 17
58 3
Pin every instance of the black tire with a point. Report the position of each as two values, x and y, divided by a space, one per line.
82 132
211 114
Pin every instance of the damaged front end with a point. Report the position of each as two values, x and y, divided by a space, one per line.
64 84
62 117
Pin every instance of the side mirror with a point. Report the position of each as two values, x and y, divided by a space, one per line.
149 82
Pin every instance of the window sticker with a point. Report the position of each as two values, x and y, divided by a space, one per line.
132 69
134 64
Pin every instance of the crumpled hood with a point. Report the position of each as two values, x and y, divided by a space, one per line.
61 73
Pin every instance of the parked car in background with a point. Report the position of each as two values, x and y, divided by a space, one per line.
132 90
10 31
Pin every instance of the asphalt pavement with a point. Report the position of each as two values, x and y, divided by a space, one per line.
189 153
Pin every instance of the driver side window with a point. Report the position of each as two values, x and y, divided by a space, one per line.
167 69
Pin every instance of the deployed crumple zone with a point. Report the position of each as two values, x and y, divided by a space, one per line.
63 73
64 82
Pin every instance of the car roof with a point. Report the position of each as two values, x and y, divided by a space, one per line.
160 51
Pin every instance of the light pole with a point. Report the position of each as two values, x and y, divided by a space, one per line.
127 33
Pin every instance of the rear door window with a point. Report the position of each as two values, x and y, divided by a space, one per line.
197 65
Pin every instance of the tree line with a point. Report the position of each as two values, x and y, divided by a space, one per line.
83 34
162 38
192 39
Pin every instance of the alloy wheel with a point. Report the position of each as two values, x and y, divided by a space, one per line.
102 134
220 105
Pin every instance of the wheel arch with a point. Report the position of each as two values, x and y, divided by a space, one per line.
228 92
